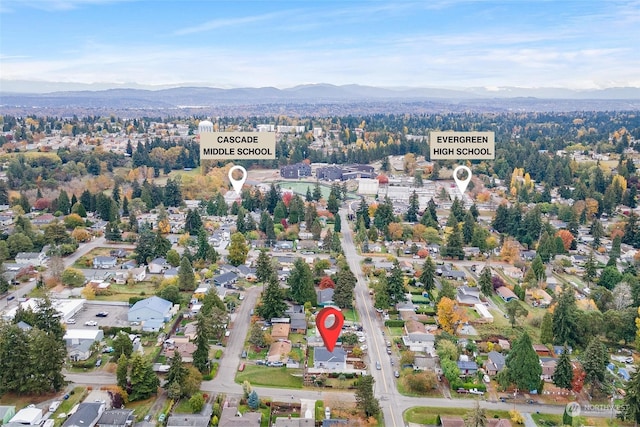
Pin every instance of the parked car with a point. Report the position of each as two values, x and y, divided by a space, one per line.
241 367
11 297
161 418
276 364
107 350
244 354
91 323
102 314
134 323
147 418
396 374
98 363
70 321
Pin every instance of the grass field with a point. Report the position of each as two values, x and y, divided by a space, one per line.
141 407
301 187
350 315
271 377
183 407
428 415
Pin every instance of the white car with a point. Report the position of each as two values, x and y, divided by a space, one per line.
91 323
70 321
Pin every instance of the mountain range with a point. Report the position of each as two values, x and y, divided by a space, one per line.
194 97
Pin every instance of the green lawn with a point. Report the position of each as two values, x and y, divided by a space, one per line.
141 407
429 415
395 331
183 407
350 315
301 187
271 377
78 394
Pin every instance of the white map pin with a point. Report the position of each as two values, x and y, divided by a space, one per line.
462 183
237 183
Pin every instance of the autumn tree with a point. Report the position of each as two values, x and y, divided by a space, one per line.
567 238
449 315
238 250
326 282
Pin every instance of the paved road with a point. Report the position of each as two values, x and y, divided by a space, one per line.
384 388
225 379
83 249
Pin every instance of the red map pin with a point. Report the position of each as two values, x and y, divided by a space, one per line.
331 333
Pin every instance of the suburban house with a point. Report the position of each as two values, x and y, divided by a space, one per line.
542 350
548 368
420 342
279 351
152 325
116 418
468 295
467 368
188 420
325 297
513 272
152 308
280 331
105 262
335 360
231 417
80 341
485 314
87 415
158 265
185 350
35 259
226 280
494 363
248 273
27 417
138 274
506 294
298 323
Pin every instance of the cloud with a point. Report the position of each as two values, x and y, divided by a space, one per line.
54 5
216 24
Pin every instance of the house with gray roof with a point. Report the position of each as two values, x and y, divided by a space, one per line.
226 280
335 360
467 368
467 295
87 415
116 418
298 323
494 363
231 417
150 308
188 420
325 297
104 262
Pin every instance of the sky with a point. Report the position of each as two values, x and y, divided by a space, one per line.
582 44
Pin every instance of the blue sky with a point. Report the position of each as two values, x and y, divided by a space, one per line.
583 44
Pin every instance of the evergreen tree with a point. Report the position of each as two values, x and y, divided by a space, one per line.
453 246
484 281
186 276
345 284
590 269
144 381
125 206
468 227
337 225
317 193
522 364
412 211
538 268
122 345
308 197
565 319
631 407
594 363
193 222
363 213
201 353
477 417
546 329
177 371
428 275
122 372
300 283
272 304
264 268
253 401
563 375
365 399
333 205
395 285
63 203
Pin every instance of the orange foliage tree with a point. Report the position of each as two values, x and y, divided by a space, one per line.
566 237
326 282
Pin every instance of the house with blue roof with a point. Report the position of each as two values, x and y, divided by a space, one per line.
152 308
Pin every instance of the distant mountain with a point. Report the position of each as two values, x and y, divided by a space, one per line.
197 97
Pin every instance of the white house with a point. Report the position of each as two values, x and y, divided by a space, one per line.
420 342
138 274
35 259
335 360
28 417
153 308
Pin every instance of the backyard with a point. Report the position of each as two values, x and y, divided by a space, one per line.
272 377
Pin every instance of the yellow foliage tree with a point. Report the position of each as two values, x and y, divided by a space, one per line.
449 315
510 251
88 292
164 226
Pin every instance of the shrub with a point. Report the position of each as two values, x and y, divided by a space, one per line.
394 323
218 354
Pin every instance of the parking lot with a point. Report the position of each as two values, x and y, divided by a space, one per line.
117 315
